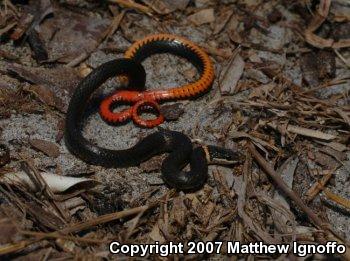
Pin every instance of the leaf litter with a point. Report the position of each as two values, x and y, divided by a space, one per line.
281 98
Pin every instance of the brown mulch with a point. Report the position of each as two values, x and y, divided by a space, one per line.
281 96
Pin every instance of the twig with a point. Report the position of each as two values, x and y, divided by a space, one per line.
115 23
291 194
76 228
318 19
7 249
264 235
318 186
233 134
12 7
29 168
224 53
132 5
337 199
304 131
283 186
103 219
324 86
334 145
133 226
47 254
343 115
70 238
341 57
7 28
106 34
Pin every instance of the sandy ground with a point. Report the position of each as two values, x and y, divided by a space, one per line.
205 119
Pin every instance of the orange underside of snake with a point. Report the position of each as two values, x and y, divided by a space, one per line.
150 99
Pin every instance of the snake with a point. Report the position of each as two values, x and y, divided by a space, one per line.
178 145
139 51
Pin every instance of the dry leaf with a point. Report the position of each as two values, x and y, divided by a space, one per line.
56 183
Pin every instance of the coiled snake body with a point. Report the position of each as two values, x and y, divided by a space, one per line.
177 144
140 50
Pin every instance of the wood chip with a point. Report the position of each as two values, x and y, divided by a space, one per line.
156 234
231 75
262 91
337 199
304 131
131 4
54 86
47 147
310 133
44 94
318 186
24 23
325 160
46 218
166 6
7 28
222 20
225 53
178 212
9 231
343 115
318 19
240 134
334 145
202 17
282 219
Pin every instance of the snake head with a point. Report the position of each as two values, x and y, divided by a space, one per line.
222 156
